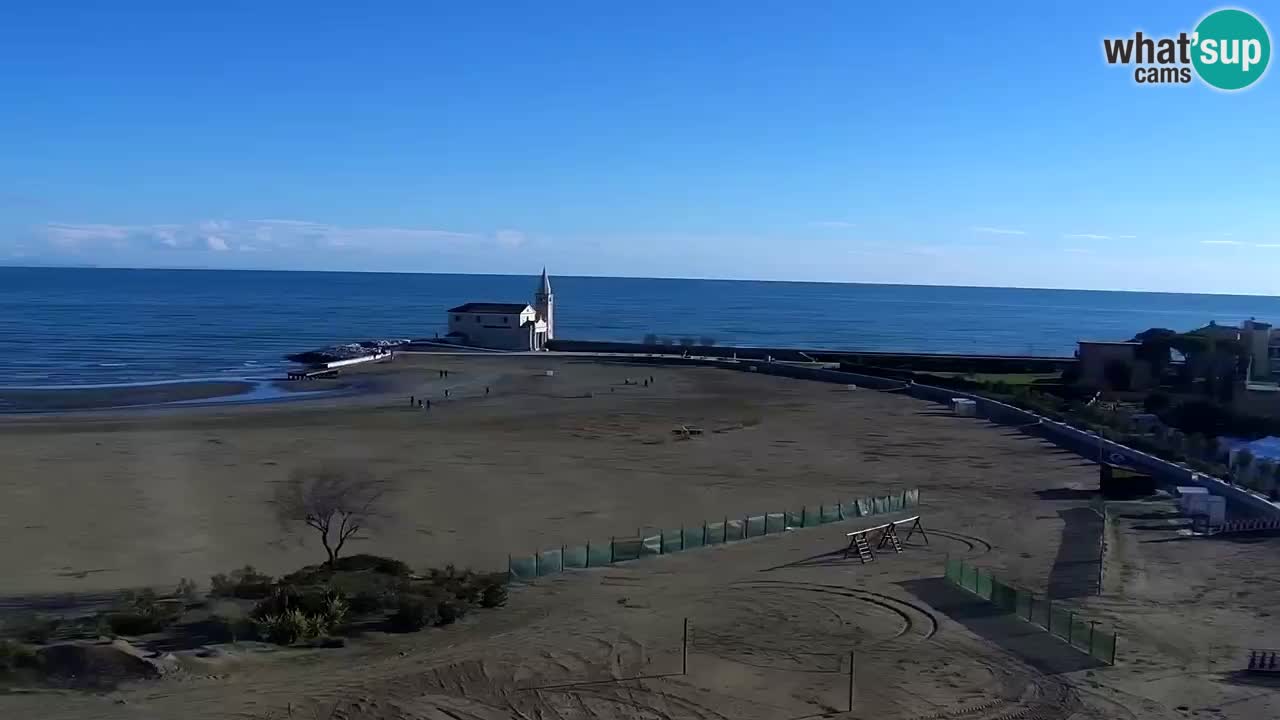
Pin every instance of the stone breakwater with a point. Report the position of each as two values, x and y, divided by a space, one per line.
348 351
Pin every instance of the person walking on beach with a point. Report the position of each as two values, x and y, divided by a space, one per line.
486 391
446 392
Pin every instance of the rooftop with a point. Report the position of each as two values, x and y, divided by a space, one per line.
494 308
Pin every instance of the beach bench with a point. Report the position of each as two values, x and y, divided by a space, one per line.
859 543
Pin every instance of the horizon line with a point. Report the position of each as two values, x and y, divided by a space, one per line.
633 277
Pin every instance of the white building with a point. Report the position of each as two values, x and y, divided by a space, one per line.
506 326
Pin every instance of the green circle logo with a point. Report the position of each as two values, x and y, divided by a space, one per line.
1232 49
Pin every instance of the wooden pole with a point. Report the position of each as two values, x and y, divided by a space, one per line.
684 649
850 681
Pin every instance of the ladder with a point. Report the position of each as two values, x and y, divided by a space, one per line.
890 537
864 548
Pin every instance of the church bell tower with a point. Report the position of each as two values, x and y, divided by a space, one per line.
544 304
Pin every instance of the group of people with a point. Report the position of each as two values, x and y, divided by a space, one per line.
425 403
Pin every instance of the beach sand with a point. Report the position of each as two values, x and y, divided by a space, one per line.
103 501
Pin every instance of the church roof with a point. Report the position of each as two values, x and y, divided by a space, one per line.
544 287
488 307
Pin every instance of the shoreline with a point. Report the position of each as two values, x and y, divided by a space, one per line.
175 394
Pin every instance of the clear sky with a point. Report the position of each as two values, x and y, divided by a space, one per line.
950 143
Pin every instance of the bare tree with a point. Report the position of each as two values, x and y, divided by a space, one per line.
337 501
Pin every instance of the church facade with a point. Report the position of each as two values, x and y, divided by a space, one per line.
506 326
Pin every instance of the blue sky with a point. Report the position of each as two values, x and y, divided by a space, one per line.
916 142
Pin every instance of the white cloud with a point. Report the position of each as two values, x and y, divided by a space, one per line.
263 235
1086 236
72 235
1221 242
1126 237
1078 250
1267 245
996 230
832 224
509 239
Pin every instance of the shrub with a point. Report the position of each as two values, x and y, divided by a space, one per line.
33 628
15 656
141 613
449 611
413 613
334 614
286 628
372 563
246 583
494 595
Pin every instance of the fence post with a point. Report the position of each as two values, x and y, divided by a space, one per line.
850 681
684 649
1071 626
612 558
804 516
704 533
724 530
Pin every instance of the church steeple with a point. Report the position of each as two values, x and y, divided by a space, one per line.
544 304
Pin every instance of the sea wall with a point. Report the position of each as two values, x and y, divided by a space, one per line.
918 361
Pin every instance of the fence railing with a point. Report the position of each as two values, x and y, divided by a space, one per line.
713 532
1038 610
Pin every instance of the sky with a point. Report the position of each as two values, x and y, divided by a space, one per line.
906 142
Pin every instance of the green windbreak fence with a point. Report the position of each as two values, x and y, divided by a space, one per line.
1061 622
652 541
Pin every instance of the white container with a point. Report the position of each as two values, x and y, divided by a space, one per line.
1186 493
550 373
1216 507
1197 505
964 407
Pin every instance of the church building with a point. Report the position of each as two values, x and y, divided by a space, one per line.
506 326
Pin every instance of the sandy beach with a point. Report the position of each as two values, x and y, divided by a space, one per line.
104 501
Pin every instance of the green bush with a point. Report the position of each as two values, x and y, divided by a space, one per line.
33 628
246 583
141 613
413 613
493 595
15 656
286 628
449 611
372 563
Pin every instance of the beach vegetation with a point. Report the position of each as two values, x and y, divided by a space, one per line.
245 583
31 628
142 613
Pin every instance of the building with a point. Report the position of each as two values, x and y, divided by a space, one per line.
1101 364
506 326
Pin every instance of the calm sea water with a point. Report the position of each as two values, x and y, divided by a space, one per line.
63 326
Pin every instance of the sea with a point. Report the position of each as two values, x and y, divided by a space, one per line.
71 327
